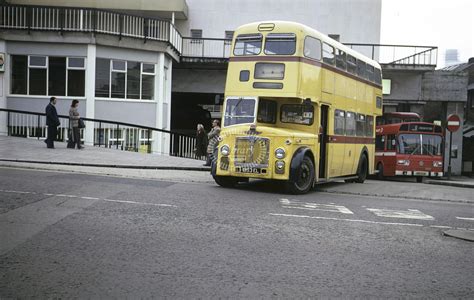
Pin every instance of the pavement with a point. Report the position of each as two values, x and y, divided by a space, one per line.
23 152
34 151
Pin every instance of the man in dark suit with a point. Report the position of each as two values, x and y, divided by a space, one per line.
52 121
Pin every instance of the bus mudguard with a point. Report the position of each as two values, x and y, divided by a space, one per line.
297 159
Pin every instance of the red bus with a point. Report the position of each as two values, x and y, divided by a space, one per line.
398 117
409 149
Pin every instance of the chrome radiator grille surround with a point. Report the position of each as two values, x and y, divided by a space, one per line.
252 151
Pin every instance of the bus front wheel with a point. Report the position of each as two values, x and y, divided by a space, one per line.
362 170
304 178
226 181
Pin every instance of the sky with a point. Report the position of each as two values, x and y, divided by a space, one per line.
448 24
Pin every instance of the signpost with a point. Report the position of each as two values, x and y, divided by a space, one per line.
454 122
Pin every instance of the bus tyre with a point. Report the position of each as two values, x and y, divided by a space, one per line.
380 172
419 179
226 181
362 170
304 178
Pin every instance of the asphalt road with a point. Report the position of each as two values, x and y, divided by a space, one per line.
66 235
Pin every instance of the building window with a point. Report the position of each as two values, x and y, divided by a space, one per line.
196 35
76 76
52 76
19 74
229 35
38 73
124 79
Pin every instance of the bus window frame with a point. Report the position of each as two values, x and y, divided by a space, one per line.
341 62
248 37
283 36
340 115
318 41
351 63
329 60
303 106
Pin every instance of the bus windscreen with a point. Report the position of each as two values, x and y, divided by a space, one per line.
420 144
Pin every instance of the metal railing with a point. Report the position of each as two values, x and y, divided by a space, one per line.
398 54
48 18
108 134
206 48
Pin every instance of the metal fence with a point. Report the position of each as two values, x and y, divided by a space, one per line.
47 18
398 54
206 48
108 134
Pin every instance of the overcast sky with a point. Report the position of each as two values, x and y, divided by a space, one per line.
448 24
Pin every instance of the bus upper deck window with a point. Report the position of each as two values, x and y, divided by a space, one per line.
248 44
328 54
312 48
280 44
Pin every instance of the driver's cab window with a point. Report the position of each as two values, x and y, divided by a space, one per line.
267 111
391 142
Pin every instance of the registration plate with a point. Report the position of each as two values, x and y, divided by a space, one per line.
251 170
420 173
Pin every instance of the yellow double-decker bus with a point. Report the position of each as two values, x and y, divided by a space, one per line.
299 108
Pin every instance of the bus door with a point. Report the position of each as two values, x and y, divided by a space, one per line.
323 134
349 145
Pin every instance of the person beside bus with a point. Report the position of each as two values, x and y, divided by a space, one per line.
212 137
201 142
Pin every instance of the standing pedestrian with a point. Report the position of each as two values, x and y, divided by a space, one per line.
212 138
52 121
74 121
201 141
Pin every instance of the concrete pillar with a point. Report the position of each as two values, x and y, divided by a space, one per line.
4 88
157 146
90 93
456 163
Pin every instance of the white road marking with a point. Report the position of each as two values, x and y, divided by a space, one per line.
440 226
143 203
68 196
315 206
347 220
402 214
468 219
89 198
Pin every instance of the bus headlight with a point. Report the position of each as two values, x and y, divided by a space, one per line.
280 167
225 150
280 153
437 164
403 162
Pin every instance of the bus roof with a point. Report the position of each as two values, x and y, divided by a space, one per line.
402 114
409 127
290 27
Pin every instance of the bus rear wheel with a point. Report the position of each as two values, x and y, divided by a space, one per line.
419 179
304 178
226 181
362 170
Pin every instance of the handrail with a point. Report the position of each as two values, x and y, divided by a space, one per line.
107 133
79 19
96 120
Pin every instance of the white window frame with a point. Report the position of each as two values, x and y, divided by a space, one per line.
73 68
112 70
37 67
141 79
